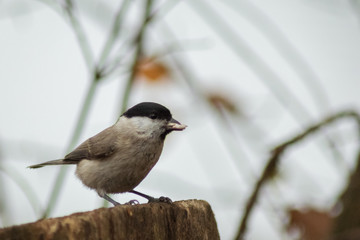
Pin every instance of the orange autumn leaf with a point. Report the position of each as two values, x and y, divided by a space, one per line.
312 223
152 70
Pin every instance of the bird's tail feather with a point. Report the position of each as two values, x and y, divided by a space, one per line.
53 162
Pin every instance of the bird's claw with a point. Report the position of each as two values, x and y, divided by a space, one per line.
160 199
165 200
132 202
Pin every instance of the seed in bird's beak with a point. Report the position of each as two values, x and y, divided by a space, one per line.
175 125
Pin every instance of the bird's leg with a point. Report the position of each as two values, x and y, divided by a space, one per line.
152 199
106 197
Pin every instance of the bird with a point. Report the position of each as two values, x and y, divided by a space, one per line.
118 158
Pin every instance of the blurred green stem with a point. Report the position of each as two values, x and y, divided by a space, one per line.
80 35
74 139
138 42
24 186
114 33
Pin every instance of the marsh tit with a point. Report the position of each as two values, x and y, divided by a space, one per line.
117 159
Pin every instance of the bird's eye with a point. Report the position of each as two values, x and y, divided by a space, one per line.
153 116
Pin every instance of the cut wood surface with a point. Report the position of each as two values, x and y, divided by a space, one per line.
191 219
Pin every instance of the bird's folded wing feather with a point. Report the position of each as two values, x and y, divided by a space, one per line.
97 147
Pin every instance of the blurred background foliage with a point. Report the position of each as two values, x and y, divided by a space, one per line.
264 87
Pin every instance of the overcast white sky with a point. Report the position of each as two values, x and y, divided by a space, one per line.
43 81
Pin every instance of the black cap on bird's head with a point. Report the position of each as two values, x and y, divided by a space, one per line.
148 109
154 111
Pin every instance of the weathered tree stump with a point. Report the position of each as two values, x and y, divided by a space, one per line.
191 219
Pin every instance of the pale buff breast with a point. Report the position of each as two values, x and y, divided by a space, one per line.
124 170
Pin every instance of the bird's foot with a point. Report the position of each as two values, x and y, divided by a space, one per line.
132 202
152 199
160 199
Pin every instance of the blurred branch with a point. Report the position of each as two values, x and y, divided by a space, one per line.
346 224
114 32
24 186
74 139
120 60
276 154
80 34
138 42
355 7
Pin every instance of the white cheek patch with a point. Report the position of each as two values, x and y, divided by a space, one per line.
142 125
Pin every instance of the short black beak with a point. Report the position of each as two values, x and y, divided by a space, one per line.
174 125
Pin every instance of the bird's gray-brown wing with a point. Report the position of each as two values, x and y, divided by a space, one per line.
98 147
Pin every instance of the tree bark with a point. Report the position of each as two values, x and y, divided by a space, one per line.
347 224
191 219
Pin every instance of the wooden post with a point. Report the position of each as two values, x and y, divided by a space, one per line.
347 223
191 219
